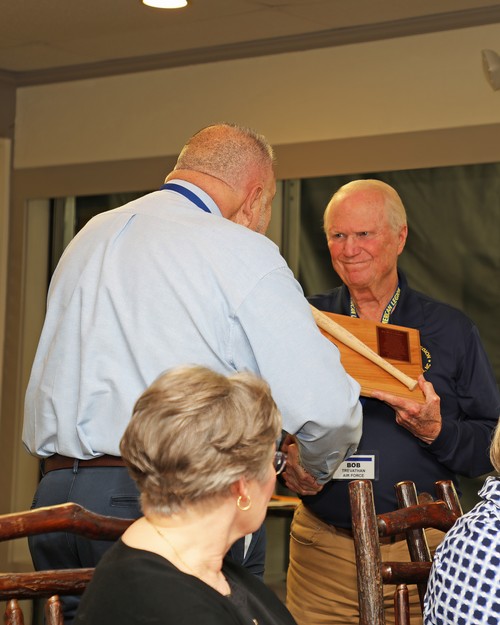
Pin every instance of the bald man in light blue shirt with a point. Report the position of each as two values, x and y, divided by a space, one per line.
183 275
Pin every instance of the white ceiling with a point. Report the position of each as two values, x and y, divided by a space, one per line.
50 40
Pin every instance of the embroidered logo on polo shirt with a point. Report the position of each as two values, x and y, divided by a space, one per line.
426 358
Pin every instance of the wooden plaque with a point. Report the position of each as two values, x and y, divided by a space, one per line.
398 345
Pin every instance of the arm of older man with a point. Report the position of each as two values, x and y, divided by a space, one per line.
422 420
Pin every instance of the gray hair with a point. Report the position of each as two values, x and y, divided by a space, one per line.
195 432
226 151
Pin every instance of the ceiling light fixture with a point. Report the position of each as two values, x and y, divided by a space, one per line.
165 4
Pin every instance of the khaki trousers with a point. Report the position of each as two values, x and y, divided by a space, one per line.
321 581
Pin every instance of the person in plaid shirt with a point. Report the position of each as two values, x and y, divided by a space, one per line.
464 583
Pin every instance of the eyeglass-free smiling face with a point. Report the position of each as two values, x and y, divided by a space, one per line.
363 245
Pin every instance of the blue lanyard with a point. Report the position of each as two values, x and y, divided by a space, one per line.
171 186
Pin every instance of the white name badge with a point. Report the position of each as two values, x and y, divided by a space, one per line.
360 466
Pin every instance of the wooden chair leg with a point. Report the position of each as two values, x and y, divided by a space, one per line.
53 611
13 614
402 605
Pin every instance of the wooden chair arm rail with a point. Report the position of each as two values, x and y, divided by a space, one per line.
44 583
437 514
405 572
64 517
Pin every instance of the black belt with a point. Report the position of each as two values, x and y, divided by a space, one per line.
56 462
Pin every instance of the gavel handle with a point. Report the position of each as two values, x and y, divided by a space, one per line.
337 331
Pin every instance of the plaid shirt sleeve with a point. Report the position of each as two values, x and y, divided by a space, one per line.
464 584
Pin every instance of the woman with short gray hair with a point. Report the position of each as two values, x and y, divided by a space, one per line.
202 450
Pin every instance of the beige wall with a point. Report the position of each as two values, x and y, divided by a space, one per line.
413 84
400 103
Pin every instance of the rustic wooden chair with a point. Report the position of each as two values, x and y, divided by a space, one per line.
414 515
69 517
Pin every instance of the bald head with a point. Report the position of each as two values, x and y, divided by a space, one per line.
230 153
234 165
370 191
365 225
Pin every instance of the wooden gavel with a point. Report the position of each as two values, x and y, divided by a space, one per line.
341 334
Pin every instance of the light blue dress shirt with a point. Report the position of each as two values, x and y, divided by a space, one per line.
159 283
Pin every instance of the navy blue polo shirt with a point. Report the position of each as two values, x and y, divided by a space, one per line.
454 360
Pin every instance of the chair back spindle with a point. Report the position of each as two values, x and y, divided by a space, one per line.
414 515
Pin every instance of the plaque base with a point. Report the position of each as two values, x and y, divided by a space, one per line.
397 344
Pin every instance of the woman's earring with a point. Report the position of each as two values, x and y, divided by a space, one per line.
246 505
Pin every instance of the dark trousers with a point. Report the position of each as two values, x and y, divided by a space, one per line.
112 492
105 490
